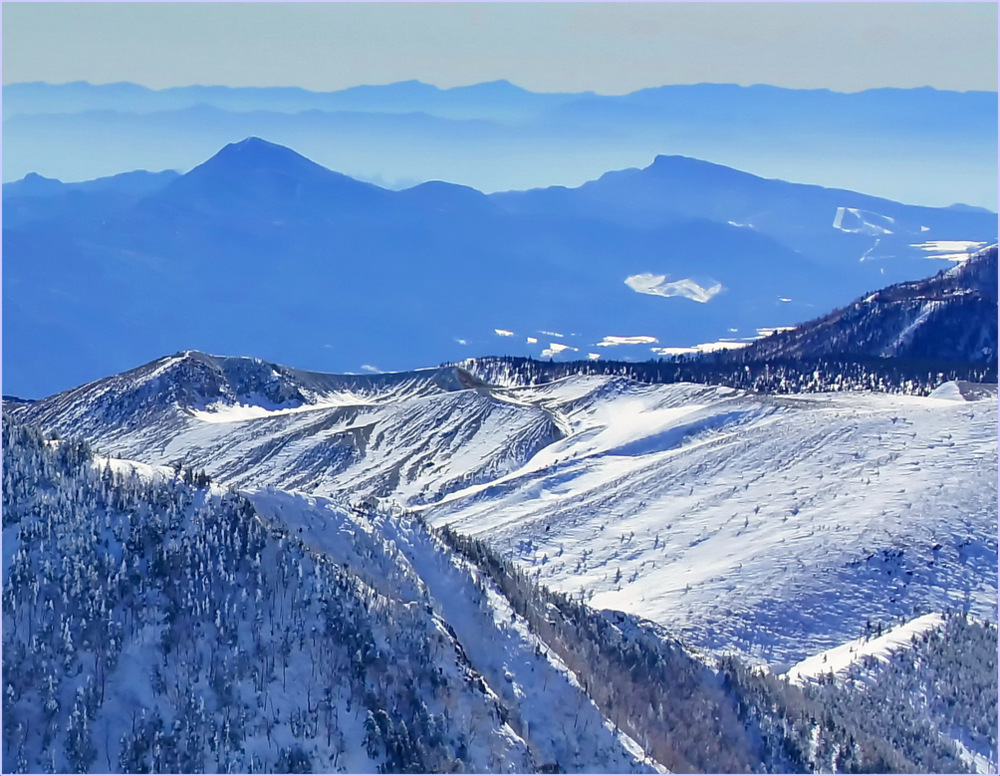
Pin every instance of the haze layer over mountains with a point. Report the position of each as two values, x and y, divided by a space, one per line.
924 146
259 250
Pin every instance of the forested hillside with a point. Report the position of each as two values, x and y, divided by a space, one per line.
150 625
717 715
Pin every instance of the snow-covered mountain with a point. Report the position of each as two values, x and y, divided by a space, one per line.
716 512
250 423
153 622
153 625
949 317
508 565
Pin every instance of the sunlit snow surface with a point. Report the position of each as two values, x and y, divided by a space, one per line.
561 724
950 250
773 526
839 660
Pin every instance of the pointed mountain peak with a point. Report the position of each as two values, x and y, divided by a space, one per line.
267 177
255 152
33 185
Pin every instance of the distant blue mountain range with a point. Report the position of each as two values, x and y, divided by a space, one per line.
260 251
914 145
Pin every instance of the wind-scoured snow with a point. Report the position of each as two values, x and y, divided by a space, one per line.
770 526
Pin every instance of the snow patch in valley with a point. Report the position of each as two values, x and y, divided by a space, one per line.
705 347
950 250
611 341
657 285
555 348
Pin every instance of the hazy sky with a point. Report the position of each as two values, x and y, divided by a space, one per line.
611 48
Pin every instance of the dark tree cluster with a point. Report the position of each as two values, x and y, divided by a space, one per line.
156 625
779 375
723 716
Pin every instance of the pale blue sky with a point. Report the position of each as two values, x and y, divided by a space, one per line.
611 48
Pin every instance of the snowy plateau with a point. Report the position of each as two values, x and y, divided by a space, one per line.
543 576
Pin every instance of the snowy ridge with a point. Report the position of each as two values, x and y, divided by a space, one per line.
950 317
706 509
557 720
265 612
411 436
839 660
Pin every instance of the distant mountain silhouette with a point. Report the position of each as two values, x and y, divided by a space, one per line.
35 197
261 251
801 216
261 178
138 182
912 145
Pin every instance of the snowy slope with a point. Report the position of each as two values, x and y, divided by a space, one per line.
546 704
936 672
770 526
150 624
951 316
410 435
839 660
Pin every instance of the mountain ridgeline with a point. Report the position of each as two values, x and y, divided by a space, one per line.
152 625
951 317
348 610
678 524
906 144
909 337
102 276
